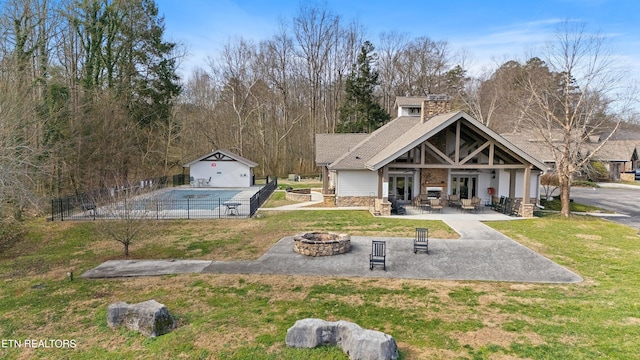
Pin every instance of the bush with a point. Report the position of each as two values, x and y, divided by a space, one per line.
598 172
584 183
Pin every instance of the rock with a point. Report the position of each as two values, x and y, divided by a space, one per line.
149 318
358 343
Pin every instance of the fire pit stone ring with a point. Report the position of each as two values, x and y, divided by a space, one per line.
321 243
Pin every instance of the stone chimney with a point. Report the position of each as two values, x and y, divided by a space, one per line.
434 105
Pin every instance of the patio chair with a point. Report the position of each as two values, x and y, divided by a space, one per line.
435 204
453 200
421 241
515 208
467 205
397 208
378 254
506 207
498 206
477 203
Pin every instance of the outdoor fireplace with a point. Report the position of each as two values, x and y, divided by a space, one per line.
321 243
434 192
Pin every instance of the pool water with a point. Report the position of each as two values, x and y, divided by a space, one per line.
184 194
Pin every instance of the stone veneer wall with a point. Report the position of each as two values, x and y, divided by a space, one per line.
292 196
433 177
382 207
526 210
342 201
630 177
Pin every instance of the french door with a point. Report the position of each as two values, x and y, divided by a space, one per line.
464 186
400 187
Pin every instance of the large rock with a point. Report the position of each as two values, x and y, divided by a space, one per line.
358 343
150 317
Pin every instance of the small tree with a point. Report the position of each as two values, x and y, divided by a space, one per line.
360 112
122 218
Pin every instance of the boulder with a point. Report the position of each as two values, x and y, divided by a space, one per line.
149 317
356 342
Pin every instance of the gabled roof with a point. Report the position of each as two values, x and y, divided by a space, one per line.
358 156
406 132
330 147
612 150
531 145
219 155
616 150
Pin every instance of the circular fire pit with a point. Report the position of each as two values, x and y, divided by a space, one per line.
321 243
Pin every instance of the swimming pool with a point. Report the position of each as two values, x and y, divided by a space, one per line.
205 194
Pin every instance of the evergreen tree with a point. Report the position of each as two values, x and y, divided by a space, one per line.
361 113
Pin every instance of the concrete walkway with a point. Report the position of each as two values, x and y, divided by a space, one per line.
481 253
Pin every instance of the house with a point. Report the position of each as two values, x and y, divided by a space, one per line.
618 156
221 169
426 150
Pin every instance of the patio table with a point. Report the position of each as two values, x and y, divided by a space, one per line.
231 208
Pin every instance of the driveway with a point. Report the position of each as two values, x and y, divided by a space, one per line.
624 200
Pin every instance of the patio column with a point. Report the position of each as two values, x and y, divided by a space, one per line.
512 183
526 187
325 180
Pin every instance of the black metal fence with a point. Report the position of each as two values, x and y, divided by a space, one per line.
130 203
262 195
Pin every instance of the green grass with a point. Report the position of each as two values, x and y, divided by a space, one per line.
247 316
555 205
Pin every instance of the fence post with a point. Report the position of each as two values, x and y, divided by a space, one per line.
219 208
188 208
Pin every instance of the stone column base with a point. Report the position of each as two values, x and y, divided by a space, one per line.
526 210
329 200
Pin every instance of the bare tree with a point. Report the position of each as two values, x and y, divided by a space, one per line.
121 215
575 99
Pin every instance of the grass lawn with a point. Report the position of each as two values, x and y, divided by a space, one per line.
246 316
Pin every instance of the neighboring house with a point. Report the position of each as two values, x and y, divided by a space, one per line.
221 168
617 156
426 150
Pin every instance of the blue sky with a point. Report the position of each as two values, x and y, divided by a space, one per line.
488 31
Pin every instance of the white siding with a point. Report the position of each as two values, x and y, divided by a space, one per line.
222 173
503 188
357 183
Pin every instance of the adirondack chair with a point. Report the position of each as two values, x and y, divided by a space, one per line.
500 204
378 254
421 241
506 207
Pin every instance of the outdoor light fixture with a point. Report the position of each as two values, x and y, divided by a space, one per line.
493 174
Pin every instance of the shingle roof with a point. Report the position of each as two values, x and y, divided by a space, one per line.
612 150
616 150
531 145
330 147
228 153
375 142
399 136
